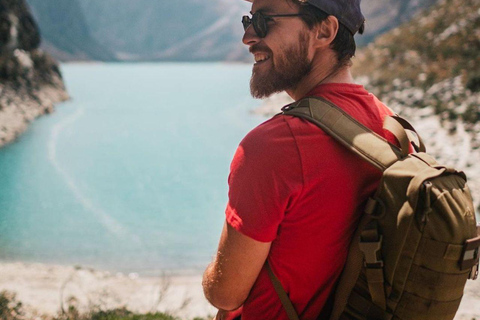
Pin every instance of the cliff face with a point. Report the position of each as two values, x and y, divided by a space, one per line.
30 80
17 28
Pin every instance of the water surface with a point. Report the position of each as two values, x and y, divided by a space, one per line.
131 174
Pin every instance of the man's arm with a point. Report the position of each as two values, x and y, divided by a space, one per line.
229 278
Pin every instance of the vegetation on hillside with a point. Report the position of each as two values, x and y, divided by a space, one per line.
432 60
12 309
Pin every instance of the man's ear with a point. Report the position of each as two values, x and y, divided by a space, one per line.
325 32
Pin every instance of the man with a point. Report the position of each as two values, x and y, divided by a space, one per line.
295 193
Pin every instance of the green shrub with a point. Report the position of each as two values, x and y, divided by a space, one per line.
113 314
10 308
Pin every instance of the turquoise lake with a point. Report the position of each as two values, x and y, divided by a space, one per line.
131 174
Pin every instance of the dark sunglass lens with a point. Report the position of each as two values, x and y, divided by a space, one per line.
246 21
259 24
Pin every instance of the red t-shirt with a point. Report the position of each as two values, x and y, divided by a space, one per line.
295 186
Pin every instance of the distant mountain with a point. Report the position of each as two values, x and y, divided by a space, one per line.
139 30
65 32
189 30
168 30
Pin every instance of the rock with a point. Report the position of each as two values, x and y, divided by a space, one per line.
30 80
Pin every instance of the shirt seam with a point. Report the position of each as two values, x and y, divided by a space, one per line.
300 158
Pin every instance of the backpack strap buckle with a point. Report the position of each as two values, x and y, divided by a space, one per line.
371 251
374 265
470 256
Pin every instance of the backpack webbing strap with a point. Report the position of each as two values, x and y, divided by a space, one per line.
287 304
351 271
420 146
399 132
345 129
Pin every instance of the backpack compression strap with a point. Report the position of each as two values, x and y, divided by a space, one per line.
352 134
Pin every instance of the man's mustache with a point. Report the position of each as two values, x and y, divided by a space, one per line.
259 48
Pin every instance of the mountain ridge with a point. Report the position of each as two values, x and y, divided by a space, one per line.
65 32
171 31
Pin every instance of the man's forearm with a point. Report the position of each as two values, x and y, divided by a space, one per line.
229 278
216 293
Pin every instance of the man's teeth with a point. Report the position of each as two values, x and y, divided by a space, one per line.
259 57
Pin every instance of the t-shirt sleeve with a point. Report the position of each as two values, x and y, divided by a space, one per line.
265 180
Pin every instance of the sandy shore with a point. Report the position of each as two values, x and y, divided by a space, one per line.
44 288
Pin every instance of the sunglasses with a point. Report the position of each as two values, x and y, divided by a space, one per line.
260 21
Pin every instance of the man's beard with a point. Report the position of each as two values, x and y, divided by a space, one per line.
291 67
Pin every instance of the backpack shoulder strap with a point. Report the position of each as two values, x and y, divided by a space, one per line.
352 134
282 294
372 148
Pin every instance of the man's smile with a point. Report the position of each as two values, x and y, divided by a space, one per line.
261 57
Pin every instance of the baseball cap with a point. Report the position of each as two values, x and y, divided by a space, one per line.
346 11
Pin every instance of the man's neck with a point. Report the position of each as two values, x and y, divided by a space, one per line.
320 75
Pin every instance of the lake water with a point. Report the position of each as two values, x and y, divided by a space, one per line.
131 174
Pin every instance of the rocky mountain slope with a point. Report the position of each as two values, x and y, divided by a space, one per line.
429 70
30 81
381 16
190 30
433 53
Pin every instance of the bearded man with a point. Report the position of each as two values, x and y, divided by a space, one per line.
295 193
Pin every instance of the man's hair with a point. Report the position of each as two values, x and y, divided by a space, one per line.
343 44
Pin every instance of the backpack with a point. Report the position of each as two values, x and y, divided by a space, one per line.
417 242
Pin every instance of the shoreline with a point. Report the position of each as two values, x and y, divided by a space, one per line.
44 289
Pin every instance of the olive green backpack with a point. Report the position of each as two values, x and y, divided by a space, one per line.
417 242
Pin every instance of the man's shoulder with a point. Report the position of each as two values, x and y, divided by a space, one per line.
270 145
273 130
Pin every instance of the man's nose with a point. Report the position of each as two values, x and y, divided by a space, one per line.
250 37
